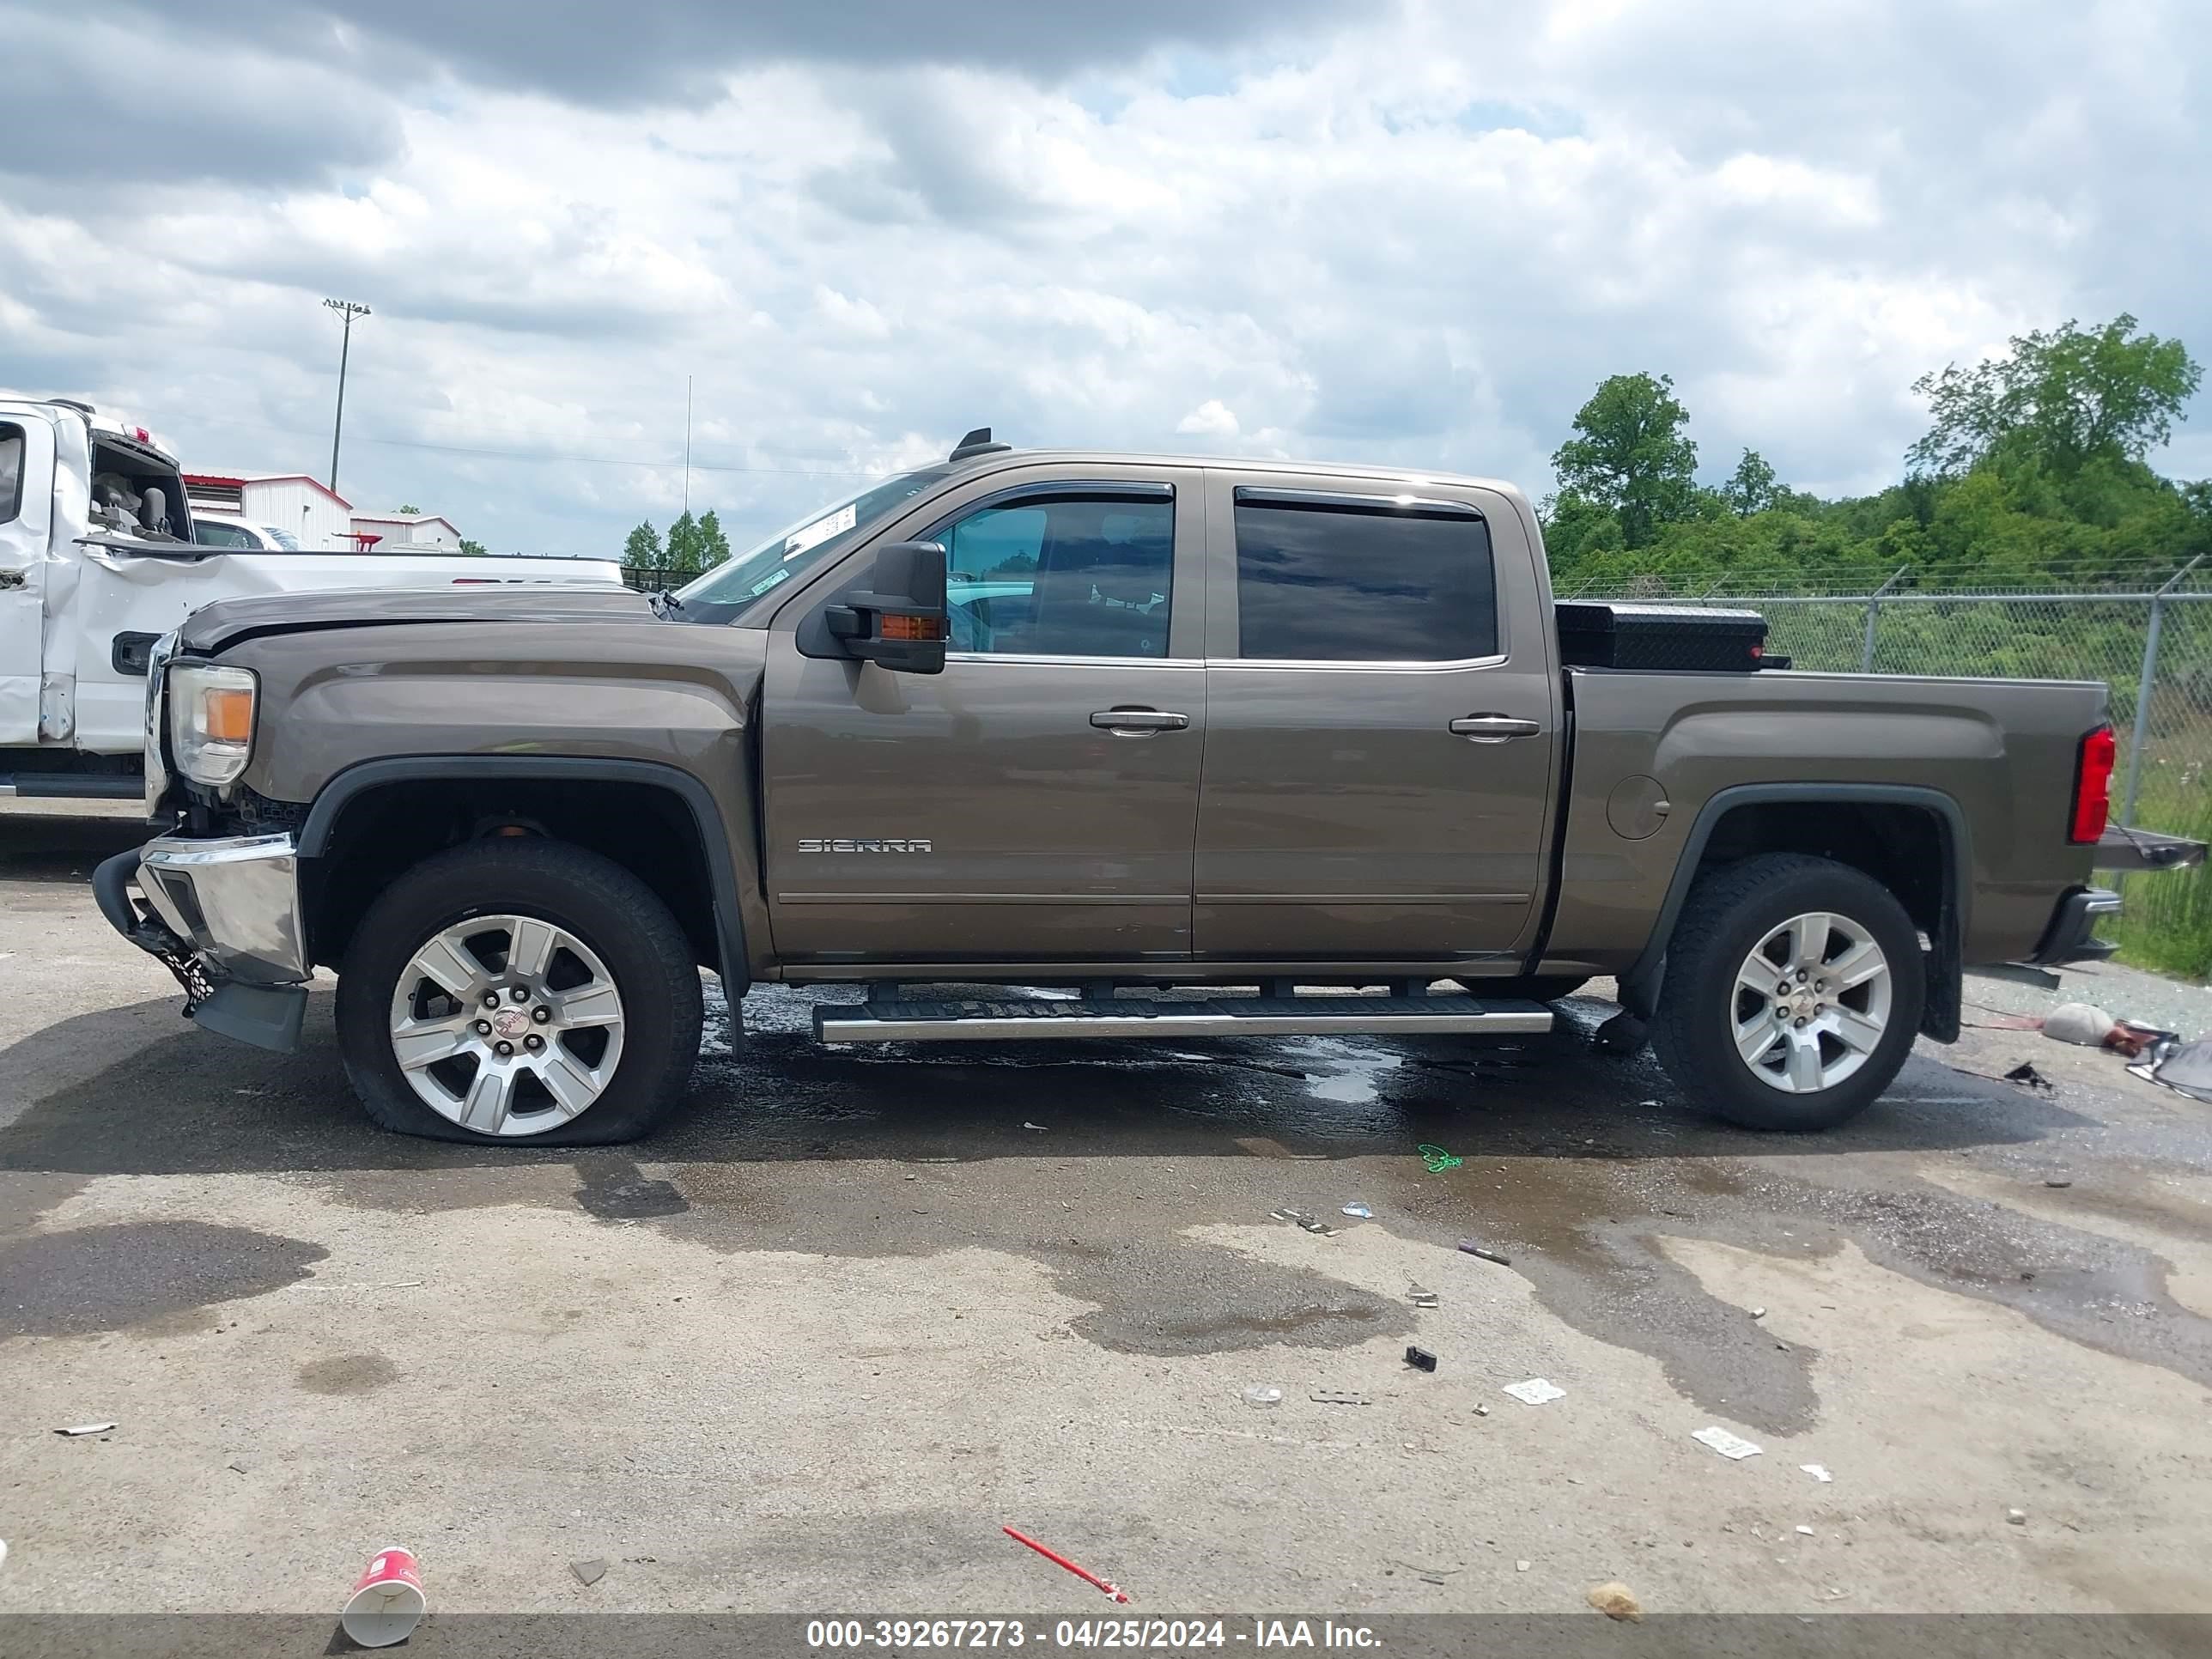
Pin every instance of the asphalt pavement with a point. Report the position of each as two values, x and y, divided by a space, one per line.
813 1344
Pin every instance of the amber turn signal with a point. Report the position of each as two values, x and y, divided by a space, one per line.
229 713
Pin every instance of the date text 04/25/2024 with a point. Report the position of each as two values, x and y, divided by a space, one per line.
1135 1635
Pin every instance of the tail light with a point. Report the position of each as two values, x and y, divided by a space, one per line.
2093 784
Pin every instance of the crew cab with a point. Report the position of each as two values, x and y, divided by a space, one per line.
1198 740
101 554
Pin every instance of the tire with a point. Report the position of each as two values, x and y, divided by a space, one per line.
603 928
1704 1006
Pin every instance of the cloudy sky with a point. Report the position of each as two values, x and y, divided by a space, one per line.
1417 232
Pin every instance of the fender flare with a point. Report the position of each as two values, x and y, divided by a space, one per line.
1640 985
340 792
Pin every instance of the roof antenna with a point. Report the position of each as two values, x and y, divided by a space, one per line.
977 442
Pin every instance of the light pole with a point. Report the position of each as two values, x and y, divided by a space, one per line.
348 310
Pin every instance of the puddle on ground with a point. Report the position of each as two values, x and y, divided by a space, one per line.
1348 1072
102 1279
615 1190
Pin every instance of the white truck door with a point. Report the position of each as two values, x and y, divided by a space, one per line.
27 505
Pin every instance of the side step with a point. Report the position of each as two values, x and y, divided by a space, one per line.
948 1020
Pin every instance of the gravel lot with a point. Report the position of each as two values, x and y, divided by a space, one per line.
810 1347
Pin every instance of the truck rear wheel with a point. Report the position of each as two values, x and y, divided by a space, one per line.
1793 990
521 991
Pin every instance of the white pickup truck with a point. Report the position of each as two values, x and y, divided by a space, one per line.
98 560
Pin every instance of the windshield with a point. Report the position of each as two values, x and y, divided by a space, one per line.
821 534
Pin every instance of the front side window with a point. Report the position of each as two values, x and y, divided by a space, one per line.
1352 583
11 472
1072 575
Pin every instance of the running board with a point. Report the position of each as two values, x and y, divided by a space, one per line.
950 1021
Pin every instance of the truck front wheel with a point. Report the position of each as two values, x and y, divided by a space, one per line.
1792 993
518 991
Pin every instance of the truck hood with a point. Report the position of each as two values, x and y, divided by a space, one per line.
218 626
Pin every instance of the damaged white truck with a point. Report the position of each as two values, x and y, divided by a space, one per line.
97 562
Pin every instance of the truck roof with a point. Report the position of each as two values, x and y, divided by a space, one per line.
110 426
1004 459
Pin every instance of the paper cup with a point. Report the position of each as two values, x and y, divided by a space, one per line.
386 1600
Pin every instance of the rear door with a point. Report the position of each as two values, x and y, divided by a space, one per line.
1037 800
27 469
1382 720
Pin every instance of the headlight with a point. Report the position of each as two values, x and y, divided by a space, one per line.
210 721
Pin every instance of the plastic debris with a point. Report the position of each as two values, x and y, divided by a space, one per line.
1819 1471
1438 1159
1419 1297
1468 1246
1039 1128
2058 1183
1420 1358
1520 1566
1808 1531
2185 1067
588 1572
1535 1391
1482 1411
1616 1601
1759 1313
2028 1078
238 1466
85 1428
1091 1578
1341 1397
1727 1445
1358 1208
1261 1394
2017 1517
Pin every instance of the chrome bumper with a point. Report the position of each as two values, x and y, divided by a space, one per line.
234 899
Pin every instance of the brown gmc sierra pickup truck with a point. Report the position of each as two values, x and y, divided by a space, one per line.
1207 741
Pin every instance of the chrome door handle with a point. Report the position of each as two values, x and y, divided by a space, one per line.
1138 722
1492 728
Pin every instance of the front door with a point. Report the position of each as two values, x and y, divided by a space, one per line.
26 471
1037 800
1381 716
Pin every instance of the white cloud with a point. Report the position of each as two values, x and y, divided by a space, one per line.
1210 419
1420 236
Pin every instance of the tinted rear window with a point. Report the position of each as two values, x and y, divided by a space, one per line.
1337 584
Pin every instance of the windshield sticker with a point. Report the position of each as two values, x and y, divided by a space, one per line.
773 577
822 530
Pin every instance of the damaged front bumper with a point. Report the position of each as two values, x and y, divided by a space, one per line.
223 914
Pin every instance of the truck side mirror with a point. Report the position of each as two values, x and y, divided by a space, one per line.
899 622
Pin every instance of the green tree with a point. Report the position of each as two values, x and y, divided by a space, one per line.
683 544
714 545
409 508
471 550
1630 458
1751 488
643 546
2058 401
